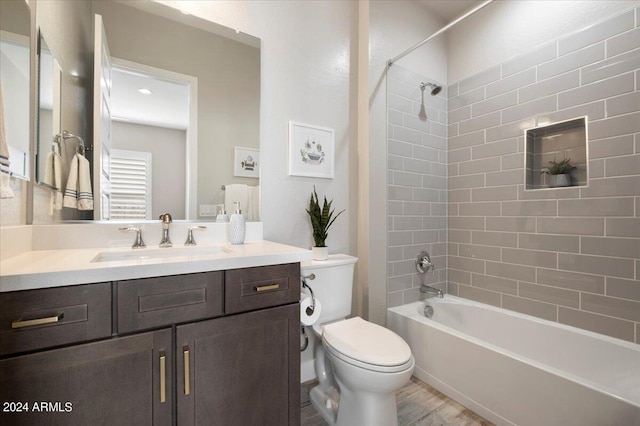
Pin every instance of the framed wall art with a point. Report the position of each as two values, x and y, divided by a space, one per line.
246 162
311 151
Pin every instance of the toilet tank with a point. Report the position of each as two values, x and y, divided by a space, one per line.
332 286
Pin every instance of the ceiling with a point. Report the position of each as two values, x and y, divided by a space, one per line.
448 10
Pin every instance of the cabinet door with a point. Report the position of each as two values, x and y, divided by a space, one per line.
240 370
121 381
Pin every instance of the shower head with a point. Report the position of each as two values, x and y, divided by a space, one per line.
435 89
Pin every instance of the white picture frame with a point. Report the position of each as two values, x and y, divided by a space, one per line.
311 151
246 162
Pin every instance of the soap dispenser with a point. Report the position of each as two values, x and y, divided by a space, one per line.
222 214
237 227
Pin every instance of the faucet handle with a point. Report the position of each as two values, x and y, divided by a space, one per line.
190 241
423 263
165 218
138 242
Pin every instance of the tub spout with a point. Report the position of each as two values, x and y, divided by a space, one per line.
427 289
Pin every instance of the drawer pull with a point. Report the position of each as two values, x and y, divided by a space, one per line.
38 321
187 385
267 287
163 377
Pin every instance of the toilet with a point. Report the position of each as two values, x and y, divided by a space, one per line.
359 365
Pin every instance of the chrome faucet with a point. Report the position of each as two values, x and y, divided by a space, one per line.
423 263
138 242
166 220
427 289
190 241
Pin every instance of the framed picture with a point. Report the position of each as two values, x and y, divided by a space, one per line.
246 162
311 151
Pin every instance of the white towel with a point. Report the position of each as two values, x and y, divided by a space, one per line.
53 178
5 170
253 203
77 194
235 192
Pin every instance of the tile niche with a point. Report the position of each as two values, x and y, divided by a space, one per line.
556 142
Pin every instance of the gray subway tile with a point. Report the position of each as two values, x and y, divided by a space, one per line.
459 236
514 272
510 83
495 103
557 296
494 193
480 79
508 177
623 42
596 207
466 181
593 111
597 32
479 295
399 103
395 117
479 252
530 109
538 56
530 307
619 308
459 195
469 222
622 166
611 147
596 168
415 123
544 259
571 226
571 280
399 238
623 227
626 62
613 327
512 161
479 209
556 194
510 130
400 148
530 208
461 277
425 153
407 179
466 264
466 140
452 90
624 104
624 289
560 243
500 239
394 208
551 86
622 268
415 166
596 91
609 246
394 299
404 223
400 283
495 149
502 285
612 187
416 208
457 155
407 135
511 224
395 163
479 123
478 166
571 61
459 114
452 130
428 236
467 98
399 193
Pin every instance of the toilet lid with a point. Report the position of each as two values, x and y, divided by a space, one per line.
367 342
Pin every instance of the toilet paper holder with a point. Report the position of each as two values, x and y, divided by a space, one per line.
304 279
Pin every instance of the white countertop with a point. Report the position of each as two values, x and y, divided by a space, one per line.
56 268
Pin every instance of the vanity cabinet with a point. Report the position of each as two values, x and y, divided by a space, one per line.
209 348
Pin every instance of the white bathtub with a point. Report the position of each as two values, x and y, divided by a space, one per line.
515 369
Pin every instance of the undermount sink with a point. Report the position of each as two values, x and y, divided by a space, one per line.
158 253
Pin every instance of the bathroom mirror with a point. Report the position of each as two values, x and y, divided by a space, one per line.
219 70
15 81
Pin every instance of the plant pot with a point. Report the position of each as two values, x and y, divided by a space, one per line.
320 253
556 181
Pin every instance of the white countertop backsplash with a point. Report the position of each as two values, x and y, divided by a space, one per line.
60 255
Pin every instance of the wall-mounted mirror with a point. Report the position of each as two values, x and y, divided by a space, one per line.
183 94
15 82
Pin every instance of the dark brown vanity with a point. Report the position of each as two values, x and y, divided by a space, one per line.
210 348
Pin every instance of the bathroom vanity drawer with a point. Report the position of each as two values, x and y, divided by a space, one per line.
261 287
153 302
36 319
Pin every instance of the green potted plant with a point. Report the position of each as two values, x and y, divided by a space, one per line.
559 172
321 221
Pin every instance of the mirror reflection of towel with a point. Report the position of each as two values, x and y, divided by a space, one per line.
247 196
53 178
5 170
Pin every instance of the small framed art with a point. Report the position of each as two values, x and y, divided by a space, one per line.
311 151
246 162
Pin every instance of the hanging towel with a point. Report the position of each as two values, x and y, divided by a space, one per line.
253 203
5 170
235 192
53 178
77 194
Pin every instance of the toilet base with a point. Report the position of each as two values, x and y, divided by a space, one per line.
325 403
366 408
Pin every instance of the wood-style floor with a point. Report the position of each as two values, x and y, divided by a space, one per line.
418 404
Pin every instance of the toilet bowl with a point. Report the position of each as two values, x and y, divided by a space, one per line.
359 365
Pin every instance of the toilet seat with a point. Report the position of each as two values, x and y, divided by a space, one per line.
367 345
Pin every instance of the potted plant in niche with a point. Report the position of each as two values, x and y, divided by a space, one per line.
559 172
321 221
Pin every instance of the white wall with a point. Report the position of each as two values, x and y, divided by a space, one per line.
506 29
307 76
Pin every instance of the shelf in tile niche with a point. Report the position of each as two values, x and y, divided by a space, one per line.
554 143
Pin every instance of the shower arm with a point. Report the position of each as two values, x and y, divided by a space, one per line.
440 31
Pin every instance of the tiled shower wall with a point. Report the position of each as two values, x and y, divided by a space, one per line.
570 255
416 184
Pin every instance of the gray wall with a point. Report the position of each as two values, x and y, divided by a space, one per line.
416 185
570 255
167 148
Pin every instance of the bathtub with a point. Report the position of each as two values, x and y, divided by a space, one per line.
514 369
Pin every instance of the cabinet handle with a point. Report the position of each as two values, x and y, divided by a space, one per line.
163 377
187 385
260 288
38 321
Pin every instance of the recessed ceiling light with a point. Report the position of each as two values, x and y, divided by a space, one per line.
145 91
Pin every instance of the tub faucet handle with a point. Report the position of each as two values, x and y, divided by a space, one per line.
423 263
